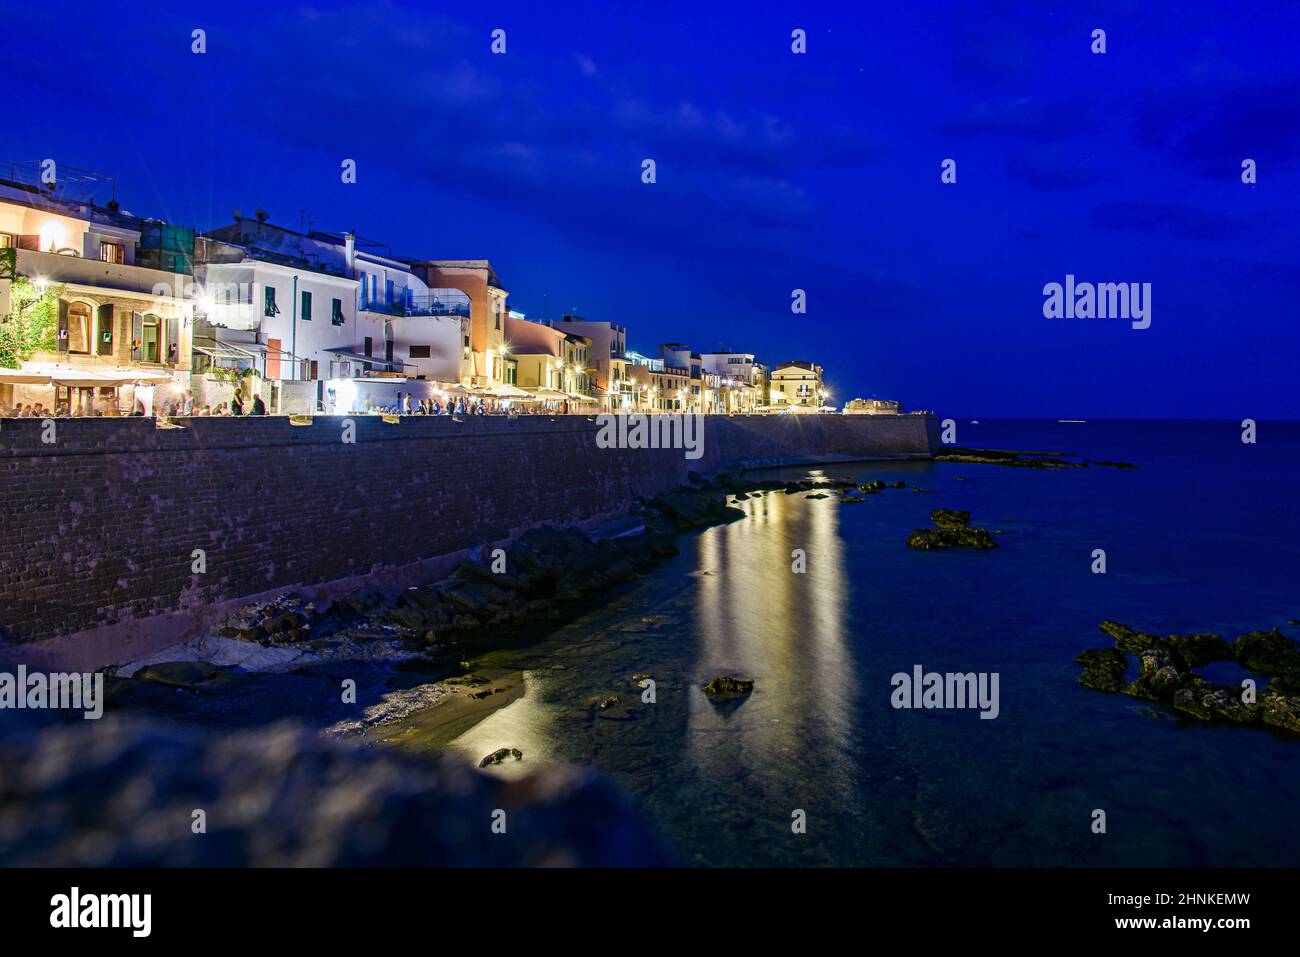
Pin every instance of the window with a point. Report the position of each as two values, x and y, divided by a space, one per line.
78 328
105 329
467 342
364 301
388 351
112 253
8 240
374 288
498 309
369 346
269 306
151 339
306 306
419 352
336 311
388 292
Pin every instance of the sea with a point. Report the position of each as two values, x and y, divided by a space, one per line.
817 767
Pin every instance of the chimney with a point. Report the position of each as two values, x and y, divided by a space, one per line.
350 253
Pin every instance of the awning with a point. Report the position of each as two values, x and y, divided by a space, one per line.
227 352
549 395
507 391
22 377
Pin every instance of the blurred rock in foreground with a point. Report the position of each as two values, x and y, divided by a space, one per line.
123 793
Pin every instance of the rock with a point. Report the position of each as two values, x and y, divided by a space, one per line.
607 702
119 793
741 496
1129 641
179 674
724 685
938 538
362 602
688 508
899 484
1269 653
499 755
479 599
1196 651
1280 711
1209 704
1104 669
950 518
852 498
1024 460
817 495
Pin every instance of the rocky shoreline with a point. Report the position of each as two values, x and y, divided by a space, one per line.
1023 460
415 649
1165 673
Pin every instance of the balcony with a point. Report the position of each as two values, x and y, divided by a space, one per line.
76 271
449 303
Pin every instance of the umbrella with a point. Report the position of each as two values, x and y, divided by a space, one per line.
507 391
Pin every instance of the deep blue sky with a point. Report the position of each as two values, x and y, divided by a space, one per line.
775 171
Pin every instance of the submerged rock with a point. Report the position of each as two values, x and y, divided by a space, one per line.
950 518
1269 653
1165 674
1104 669
935 538
499 755
725 685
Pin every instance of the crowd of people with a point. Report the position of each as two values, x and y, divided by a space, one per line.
185 406
406 404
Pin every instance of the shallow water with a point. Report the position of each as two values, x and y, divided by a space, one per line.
1201 536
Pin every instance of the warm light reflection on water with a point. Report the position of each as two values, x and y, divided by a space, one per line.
758 619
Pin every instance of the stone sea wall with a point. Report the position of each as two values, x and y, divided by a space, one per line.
99 528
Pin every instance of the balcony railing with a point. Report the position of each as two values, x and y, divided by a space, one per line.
440 305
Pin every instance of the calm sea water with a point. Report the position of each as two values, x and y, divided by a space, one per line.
1203 535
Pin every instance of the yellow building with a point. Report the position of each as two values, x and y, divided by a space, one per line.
125 291
797 386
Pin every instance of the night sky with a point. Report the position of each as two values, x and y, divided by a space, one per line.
776 171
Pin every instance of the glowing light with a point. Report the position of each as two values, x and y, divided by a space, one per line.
54 236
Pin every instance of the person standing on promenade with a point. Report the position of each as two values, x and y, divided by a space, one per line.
236 404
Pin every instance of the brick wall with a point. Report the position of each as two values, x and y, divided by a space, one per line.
99 527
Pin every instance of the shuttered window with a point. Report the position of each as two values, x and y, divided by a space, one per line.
105 330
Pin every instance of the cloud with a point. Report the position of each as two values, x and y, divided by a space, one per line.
1212 129
1053 170
1174 219
1028 118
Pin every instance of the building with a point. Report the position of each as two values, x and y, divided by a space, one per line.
326 321
678 356
743 381
873 407
108 295
487 360
607 362
797 386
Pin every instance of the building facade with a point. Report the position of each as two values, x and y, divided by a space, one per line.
120 295
797 386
